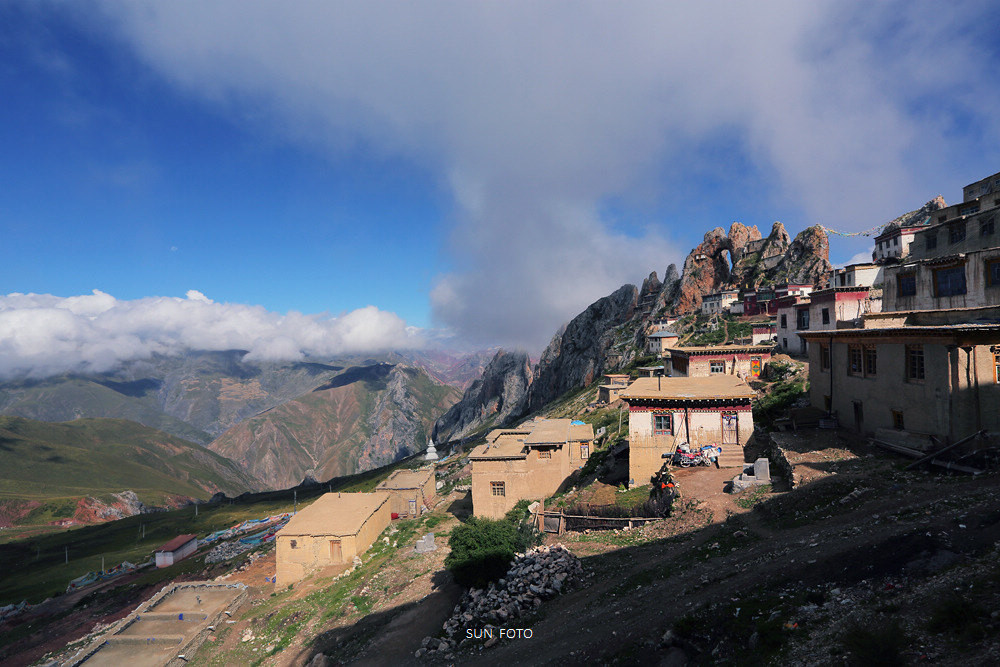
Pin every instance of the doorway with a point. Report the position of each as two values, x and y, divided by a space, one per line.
335 553
730 428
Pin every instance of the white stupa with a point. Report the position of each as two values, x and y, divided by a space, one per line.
431 454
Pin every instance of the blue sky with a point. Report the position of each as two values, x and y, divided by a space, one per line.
485 169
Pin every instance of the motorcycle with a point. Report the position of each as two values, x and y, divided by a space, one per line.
685 458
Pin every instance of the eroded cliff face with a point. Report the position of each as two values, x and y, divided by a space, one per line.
579 354
497 398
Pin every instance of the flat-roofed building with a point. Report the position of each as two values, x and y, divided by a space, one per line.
331 531
613 385
528 462
743 360
412 492
664 412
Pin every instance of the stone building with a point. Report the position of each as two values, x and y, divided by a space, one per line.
529 462
411 492
742 360
331 531
718 302
661 342
664 412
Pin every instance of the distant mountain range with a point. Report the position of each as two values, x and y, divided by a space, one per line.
280 422
366 417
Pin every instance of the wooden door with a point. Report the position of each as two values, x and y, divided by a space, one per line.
730 428
413 508
335 554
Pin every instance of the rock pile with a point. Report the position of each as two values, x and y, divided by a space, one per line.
539 574
225 551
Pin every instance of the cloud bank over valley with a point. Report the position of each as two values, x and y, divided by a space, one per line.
43 335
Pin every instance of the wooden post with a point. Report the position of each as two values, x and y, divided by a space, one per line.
562 519
540 516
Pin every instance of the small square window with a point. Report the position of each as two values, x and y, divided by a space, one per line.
545 453
498 488
956 233
662 424
717 366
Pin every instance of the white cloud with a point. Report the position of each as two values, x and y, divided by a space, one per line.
42 334
534 113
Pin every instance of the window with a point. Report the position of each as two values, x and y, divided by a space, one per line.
987 227
584 451
950 281
717 366
956 233
803 319
870 360
662 424
897 420
498 488
895 241
784 321
824 357
931 240
855 360
969 210
545 453
996 365
914 362
826 316
784 343
906 284
993 273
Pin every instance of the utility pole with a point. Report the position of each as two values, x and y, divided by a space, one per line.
295 501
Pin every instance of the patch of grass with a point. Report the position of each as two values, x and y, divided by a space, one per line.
633 497
752 497
957 616
879 643
362 603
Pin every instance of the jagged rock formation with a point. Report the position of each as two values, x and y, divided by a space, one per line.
497 398
611 332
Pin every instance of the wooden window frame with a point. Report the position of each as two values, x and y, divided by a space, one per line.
545 453
670 424
990 264
855 366
916 365
499 489
713 364
870 354
908 276
937 286
584 452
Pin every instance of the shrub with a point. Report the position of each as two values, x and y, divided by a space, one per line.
481 551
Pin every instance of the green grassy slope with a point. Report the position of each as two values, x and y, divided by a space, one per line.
44 461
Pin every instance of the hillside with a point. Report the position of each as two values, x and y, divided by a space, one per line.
610 333
365 417
46 468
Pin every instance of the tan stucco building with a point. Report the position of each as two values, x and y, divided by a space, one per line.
332 531
743 360
528 462
411 492
614 384
665 412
